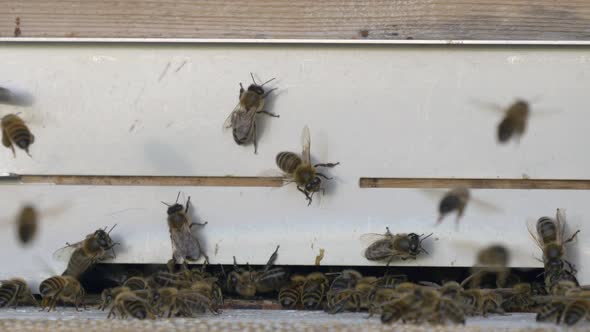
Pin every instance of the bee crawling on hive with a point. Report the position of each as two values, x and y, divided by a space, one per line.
387 247
242 119
301 171
184 245
64 288
15 291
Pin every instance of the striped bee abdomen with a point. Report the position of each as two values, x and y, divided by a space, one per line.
8 294
16 132
50 286
288 161
289 296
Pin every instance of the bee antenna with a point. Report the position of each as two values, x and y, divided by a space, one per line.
426 237
168 205
253 80
272 79
110 230
177 196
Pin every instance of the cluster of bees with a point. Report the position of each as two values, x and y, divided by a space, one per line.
190 292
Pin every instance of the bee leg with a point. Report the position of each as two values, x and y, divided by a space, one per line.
268 92
198 224
268 113
327 165
572 237
306 195
272 259
325 177
254 138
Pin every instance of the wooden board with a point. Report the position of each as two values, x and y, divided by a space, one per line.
331 19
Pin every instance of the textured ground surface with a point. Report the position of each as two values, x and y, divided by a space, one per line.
24 319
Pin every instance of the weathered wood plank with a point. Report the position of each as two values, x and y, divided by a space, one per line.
474 183
330 19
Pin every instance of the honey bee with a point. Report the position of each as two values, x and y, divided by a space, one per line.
389 247
64 288
130 304
16 132
136 283
247 282
342 290
576 310
514 122
211 291
518 298
191 302
314 290
86 253
400 307
242 119
27 224
479 301
550 238
184 245
454 200
290 295
493 259
109 294
300 169
14 292
165 300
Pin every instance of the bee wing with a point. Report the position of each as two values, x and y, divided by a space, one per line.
369 238
533 233
184 244
485 205
560 220
63 254
487 106
228 121
306 143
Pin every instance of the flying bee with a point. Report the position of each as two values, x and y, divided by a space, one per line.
300 169
492 259
136 283
27 224
550 238
5 95
64 288
242 119
248 283
514 122
290 295
454 200
16 132
129 304
184 245
86 253
314 290
389 247
14 292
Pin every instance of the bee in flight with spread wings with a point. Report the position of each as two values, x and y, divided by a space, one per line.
84 254
300 169
242 119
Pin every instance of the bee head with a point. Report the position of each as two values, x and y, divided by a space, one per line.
172 209
416 243
313 185
257 89
103 238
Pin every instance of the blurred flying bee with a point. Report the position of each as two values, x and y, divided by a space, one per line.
314 290
64 288
389 247
290 295
492 259
242 119
550 238
454 200
16 132
130 304
248 283
27 224
84 254
14 292
185 246
514 122
5 95
300 169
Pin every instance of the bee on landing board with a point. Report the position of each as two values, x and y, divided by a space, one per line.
184 245
300 169
242 119
16 132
